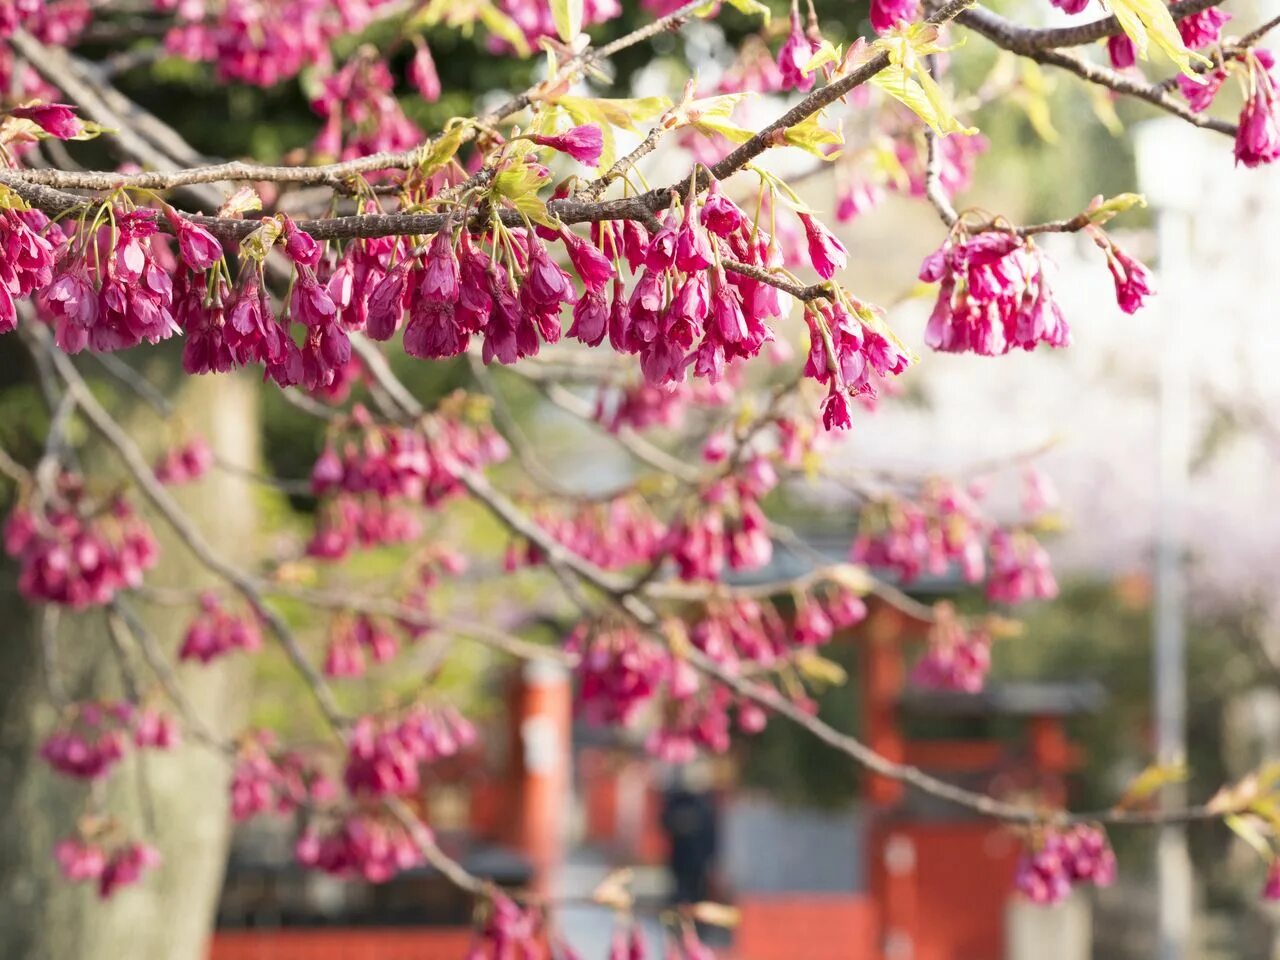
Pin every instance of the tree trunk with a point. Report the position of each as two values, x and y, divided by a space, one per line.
166 916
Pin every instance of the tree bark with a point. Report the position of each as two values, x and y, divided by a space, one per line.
176 800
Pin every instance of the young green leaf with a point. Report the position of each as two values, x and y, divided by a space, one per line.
567 15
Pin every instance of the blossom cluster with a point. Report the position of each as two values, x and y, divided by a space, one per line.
76 553
215 631
385 756
186 463
1063 858
945 530
958 655
369 473
110 867
266 779
371 846
95 737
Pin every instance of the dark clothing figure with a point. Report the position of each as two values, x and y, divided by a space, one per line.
689 820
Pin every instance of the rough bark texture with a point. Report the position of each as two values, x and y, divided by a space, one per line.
167 917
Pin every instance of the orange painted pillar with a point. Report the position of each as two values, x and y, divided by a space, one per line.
540 771
883 677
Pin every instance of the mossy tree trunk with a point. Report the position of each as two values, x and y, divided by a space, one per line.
168 915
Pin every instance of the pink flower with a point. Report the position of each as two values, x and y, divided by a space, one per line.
200 249
422 72
594 269
1203 28
56 119
1271 888
1070 6
584 143
1258 135
885 14
1132 279
797 50
1121 51
827 254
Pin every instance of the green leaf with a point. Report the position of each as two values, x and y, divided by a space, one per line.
1149 21
1033 97
824 55
567 15
619 113
1101 211
811 136
500 25
258 244
752 8
1246 828
443 149
1150 781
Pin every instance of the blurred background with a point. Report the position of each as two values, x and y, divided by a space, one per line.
821 860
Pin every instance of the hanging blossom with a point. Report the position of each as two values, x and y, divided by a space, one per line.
958 657
1258 132
368 845
369 474
268 780
108 862
185 464
215 632
940 530
76 553
385 756
351 638
360 111
848 349
95 736
1061 859
994 295
263 42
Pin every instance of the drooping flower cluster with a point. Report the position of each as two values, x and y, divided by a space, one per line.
372 846
186 463
350 638
1258 134
941 529
728 530
385 757
263 42
76 553
360 111
214 631
95 737
958 656
1019 569
109 866
994 295
1063 858
613 534
268 780
848 350
369 473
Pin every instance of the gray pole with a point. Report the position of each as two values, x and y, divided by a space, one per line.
1165 153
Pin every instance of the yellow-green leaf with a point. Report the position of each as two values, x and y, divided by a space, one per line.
820 670
812 136
1032 96
567 15
1246 828
825 54
500 25
442 150
925 104
258 244
1104 108
1101 211
1151 780
751 8
716 914
625 113
1149 21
